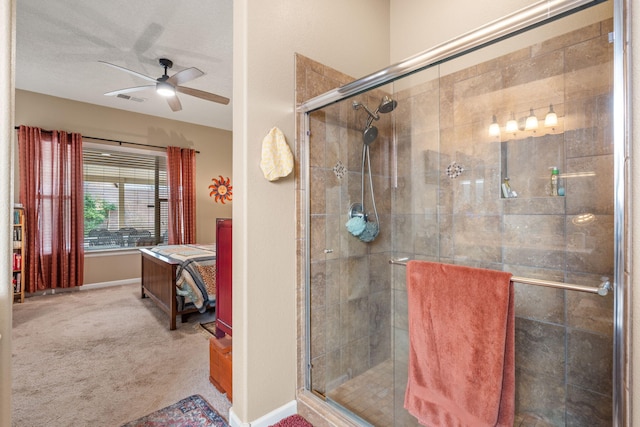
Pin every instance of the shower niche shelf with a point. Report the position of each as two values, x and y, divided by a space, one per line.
547 205
526 165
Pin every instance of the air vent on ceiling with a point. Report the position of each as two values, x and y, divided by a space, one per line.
130 98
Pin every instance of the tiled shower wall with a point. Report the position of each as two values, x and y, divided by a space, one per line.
563 338
358 302
350 282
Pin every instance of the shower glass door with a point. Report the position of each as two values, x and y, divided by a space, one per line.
350 244
458 171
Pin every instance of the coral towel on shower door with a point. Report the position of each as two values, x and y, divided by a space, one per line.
461 346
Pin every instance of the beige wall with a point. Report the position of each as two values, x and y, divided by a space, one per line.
7 67
351 36
214 159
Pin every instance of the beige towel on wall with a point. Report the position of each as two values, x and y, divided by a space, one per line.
277 159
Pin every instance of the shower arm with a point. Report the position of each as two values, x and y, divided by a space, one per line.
372 116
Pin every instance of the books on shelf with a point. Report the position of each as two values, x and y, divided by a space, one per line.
18 248
17 238
17 262
17 282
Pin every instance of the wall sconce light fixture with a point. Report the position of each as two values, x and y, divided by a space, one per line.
494 127
528 124
512 124
551 119
532 121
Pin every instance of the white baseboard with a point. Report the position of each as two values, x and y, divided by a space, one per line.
90 286
234 420
108 284
267 420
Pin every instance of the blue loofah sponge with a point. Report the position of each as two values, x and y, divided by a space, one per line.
370 232
356 225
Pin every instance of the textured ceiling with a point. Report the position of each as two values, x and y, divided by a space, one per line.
59 44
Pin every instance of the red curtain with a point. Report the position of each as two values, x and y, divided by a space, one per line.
181 173
51 190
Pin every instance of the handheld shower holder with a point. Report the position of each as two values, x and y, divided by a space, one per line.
357 210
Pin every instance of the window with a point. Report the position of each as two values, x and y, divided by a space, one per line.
125 198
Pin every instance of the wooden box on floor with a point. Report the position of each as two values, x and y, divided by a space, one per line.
220 364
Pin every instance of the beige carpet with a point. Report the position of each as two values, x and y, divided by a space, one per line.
104 357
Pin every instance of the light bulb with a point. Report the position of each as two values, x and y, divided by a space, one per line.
551 119
165 89
494 127
532 121
512 125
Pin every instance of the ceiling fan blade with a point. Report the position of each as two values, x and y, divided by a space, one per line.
135 73
185 76
202 94
129 90
174 103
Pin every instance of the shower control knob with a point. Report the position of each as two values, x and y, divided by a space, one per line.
328 251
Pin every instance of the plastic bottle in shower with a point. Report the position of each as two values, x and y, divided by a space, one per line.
554 181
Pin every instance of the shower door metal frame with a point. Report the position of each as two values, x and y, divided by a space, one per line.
518 22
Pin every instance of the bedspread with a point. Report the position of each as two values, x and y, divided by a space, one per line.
196 275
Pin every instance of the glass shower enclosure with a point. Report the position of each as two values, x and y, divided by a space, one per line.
501 158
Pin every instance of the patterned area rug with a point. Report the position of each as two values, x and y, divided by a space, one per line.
193 411
293 421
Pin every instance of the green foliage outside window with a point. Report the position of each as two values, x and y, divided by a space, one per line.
95 212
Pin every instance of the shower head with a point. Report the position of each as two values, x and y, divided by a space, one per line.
369 134
387 105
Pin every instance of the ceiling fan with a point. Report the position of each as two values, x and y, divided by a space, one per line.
167 86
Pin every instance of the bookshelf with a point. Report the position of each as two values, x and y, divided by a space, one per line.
18 277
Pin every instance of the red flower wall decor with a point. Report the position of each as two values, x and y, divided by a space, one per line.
221 189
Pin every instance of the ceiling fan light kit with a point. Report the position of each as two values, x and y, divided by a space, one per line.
167 86
165 89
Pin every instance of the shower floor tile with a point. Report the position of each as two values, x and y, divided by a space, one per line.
369 395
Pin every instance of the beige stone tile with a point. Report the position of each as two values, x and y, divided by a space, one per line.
536 68
591 246
585 407
568 39
589 361
588 189
539 303
533 206
317 237
590 312
478 238
534 240
540 397
317 186
594 134
400 310
317 140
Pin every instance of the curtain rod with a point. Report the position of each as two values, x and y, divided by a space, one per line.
114 140
602 290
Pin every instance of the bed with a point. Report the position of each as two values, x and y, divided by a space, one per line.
180 279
